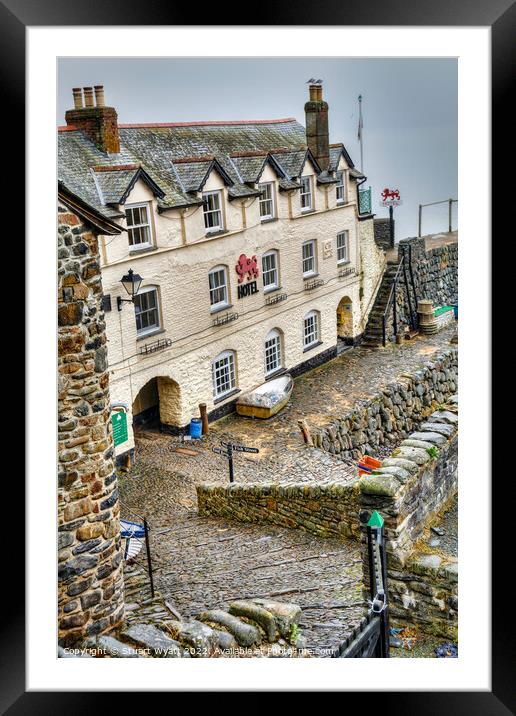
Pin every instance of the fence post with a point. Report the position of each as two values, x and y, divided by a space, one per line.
378 577
420 220
450 215
147 545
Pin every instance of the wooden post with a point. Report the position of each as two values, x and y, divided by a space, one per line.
450 215
420 219
204 418
305 431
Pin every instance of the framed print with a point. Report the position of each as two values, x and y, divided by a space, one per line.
258 273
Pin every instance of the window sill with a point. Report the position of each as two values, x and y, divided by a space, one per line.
310 275
217 232
273 289
307 211
312 346
269 219
218 309
142 250
343 263
224 397
144 336
275 374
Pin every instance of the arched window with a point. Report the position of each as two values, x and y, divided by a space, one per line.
223 374
219 294
273 358
311 329
270 270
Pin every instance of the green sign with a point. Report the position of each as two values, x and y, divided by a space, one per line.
119 423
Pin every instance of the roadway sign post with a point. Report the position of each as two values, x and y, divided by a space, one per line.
227 450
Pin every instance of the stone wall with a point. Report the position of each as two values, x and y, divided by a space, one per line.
393 412
411 488
435 275
328 510
382 233
90 579
435 271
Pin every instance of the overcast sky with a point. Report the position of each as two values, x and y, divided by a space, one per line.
409 110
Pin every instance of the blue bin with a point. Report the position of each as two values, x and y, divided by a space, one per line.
456 311
195 428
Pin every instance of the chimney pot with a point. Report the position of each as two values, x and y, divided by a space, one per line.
77 97
313 93
99 96
88 96
99 123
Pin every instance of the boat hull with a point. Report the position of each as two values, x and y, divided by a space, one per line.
261 411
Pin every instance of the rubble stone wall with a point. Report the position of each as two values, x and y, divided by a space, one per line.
90 579
382 233
411 489
393 412
329 510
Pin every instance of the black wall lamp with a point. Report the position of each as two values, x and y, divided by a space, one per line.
131 282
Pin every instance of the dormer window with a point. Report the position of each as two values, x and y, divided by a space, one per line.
266 201
212 207
306 193
341 187
138 225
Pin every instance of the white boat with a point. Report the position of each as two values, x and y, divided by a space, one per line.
267 399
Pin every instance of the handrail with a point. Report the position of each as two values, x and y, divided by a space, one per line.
389 301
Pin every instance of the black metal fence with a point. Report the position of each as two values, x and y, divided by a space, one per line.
370 639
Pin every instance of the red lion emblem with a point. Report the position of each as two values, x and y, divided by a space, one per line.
390 194
247 266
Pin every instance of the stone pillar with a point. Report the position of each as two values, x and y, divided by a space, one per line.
90 576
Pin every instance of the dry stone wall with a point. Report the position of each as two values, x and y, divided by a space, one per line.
328 510
435 275
435 271
393 412
382 233
90 579
411 488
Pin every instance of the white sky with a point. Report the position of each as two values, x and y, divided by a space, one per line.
409 110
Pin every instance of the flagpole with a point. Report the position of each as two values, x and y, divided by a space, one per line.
360 132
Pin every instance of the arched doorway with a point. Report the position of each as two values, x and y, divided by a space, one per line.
146 405
345 322
157 403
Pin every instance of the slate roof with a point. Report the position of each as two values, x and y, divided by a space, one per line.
336 152
175 160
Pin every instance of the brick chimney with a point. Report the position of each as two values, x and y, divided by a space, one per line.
97 121
317 136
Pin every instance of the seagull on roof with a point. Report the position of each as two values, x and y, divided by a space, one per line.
310 81
318 82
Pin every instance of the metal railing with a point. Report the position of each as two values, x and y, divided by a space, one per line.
404 265
450 203
392 300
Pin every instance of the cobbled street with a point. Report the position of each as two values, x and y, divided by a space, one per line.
207 562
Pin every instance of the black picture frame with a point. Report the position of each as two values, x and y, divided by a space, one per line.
500 15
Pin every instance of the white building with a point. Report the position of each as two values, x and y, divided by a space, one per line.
254 257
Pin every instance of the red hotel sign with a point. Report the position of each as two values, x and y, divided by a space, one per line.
247 269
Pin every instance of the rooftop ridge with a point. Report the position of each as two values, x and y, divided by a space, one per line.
115 167
218 123
192 160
